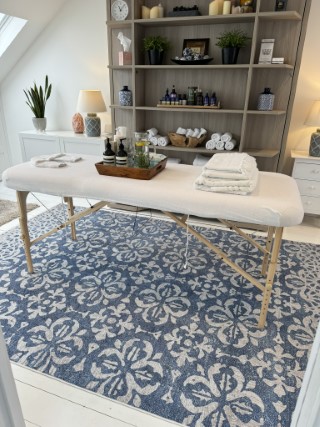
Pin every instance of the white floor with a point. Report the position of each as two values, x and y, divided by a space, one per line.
47 402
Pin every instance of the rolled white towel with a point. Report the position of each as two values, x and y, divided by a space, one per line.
202 132
211 145
163 141
152 132
196 133
220 145
230 145
189 133
227 136
181 131
216 136
154 140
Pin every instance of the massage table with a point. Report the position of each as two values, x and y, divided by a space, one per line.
275 203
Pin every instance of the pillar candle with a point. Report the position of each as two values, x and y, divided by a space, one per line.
145 12
220 2
226 7
154 12
160 10
214 8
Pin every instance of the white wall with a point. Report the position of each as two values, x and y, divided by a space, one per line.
72 50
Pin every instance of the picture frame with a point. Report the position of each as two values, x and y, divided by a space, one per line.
197 45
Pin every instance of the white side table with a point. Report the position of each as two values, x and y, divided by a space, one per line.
306 172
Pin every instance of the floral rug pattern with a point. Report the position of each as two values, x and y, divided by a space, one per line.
128 312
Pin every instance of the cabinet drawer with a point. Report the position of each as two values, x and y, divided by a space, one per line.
308 188
311 204
307 171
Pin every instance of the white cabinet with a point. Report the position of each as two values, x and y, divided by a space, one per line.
306 172
50 142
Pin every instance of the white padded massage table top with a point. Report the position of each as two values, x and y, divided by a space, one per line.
275 201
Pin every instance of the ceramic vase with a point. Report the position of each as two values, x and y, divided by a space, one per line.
125 97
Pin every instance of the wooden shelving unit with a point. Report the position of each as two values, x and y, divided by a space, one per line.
262 134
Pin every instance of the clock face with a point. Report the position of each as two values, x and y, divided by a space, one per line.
119 10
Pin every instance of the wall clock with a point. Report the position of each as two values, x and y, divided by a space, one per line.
119 10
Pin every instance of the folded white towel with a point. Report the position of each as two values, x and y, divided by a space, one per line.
226 137
181 131
154 140
220 145
216 136
152 132
221 190
48 164
210 145
69 158
200 160
240 164
163 141
59 157
189 132
230 145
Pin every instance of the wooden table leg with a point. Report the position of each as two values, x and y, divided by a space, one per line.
270 277
268 248
69 202
23 219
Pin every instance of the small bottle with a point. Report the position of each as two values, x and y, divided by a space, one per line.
122 156
173 96
167 97
213 100
109 154
125 97
199 97
266 100
206 100
184 99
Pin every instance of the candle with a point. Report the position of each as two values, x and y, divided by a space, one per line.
214 8
145 12
160 10
154 12
226 7
220 3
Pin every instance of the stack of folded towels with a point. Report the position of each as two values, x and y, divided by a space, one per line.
234 173
58 160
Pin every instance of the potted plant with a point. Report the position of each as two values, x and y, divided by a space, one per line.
230 43
36 99
156 46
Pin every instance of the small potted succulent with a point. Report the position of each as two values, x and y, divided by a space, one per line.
36 99
155 46
230 43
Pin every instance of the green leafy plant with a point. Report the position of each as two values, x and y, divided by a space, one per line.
37 98
233 38
159 43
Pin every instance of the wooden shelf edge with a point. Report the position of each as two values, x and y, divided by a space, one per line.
203 150
267 113
189 109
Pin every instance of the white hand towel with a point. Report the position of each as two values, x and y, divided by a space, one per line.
152 132
189 132
216 136
220 145
163 141
240 164
69 158
210 145
47 164
226 137
230 145
196 133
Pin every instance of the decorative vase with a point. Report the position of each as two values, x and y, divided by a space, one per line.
230 55
155 57
77 123
266 100
40 123
314 149
125 97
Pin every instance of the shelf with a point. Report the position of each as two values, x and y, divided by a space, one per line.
119 24
289 15
191 110
203 150
273 66
193 67
268 113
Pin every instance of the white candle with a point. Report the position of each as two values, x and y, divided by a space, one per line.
145 12
214 8
226 7
160 10
154 12
220 2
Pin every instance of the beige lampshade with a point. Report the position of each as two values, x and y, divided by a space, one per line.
91 101
313 117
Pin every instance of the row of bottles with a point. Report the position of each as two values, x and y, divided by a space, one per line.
119 156
195 96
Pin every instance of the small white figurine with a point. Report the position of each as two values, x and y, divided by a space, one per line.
125 42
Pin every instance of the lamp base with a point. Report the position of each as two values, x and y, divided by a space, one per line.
314 149
93 125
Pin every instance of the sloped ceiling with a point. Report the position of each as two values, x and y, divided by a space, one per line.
38 13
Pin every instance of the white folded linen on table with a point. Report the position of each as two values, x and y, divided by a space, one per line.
210 145
227 136
48 164
230 145
59 157
220 145
163 141
69 158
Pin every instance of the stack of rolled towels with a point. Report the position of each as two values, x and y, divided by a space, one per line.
157 139
191 133
235 173
221 141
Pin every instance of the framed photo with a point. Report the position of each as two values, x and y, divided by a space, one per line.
197 45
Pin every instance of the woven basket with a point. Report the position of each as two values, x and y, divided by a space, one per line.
182 141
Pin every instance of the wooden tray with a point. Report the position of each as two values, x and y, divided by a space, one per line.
131 172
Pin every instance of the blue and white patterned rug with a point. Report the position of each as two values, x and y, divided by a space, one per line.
118 313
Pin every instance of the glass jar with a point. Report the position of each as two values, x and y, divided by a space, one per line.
141 150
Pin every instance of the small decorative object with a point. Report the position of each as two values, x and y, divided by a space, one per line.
313 119
125 57
266 100
185 11
157 11
214 7
91 102
109 154
226 7
266 51
277 60
141 154
145 12
156 46
230 42
77 123
119 10
246 6
37 100
194 51
125 97
281 5
121 156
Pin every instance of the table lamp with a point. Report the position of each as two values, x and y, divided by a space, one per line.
91 102
313 119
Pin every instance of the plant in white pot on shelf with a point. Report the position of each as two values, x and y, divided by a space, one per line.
37 98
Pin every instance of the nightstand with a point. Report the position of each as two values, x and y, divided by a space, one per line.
306 172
